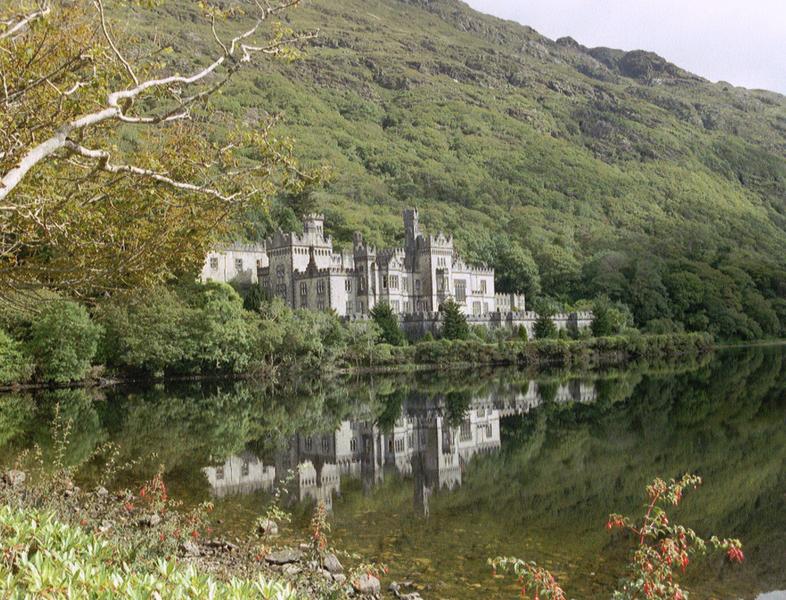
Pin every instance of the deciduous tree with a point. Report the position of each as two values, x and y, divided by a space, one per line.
113 168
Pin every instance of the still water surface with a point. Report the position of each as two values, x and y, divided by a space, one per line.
434 473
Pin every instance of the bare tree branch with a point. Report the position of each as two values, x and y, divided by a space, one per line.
103 157
115 100
100 6
14 27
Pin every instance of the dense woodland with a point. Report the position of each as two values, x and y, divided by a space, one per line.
573 171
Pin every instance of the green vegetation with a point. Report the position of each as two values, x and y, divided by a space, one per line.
573 171
46 558
454 324
204 329
387 321
544 327
63 341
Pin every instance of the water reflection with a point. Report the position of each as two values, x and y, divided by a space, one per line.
431 442
500 462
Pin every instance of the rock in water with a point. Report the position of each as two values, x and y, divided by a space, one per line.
366 584
332 564
283 557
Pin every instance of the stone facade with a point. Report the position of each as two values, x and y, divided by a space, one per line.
235 263
415 279
305 271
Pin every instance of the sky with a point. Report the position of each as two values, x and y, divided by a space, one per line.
739 41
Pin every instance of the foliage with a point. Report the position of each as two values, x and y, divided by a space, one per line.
387 321
609 319
544 327
661 548
149 330
454 322
114 170
15 365
76 563
63 341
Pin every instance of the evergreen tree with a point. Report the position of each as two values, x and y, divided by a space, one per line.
253 299
387 321
454 322
545 327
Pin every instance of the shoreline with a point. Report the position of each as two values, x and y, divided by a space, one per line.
590 353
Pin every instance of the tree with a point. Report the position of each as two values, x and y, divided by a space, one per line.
15 365
110 173
544 327
608 319
387 321
253 298
149 330
454 322
64 341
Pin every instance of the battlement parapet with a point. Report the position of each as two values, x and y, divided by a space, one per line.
259 247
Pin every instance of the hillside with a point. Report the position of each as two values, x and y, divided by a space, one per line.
575 170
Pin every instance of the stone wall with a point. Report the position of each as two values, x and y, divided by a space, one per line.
417 325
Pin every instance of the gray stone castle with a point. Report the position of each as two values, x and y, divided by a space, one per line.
304 270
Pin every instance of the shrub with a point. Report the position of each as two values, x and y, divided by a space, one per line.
64 341
75 563
15 365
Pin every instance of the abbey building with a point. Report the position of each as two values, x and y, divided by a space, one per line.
305 271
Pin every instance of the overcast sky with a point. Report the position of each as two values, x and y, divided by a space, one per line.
739 41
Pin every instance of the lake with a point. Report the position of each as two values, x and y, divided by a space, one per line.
432 473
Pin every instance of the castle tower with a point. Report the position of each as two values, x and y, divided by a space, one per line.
314 224
411 228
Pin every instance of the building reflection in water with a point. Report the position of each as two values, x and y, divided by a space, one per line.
421 446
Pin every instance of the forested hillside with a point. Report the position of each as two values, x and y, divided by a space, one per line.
575 171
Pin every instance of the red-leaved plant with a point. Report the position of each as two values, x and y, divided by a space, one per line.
661 549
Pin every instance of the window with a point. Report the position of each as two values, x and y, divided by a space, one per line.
466 431
405 283
420 306
384 282
244 468
353 445
488 430
304 288
321 304
400 445
485 308
395 306
265 282
349 307
238 264
482 286
325 443
393 281
461 290
360 306
476 308
362 284
219 473
417 286
320 286
308 444
214 262
407 306
348 285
